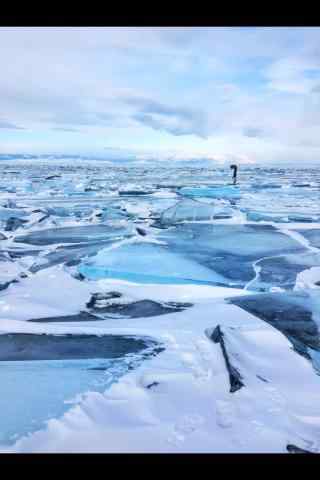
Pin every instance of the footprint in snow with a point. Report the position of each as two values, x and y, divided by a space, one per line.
224 414
186 425
198 371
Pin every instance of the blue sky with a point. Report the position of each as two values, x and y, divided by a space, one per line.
225 94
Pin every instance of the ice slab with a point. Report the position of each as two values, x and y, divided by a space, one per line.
293 313
229 250
147 263
72 234
281 217
135 192
59 383
312 235
78 317
10 271
56 383
13 223
6 213
219 191
69 254
191 210
218 336
282 271
27 346
119 308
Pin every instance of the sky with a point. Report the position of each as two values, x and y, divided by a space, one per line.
247 95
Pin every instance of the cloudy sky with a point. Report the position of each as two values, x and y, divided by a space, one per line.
226 94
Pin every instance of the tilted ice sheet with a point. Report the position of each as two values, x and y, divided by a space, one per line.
191 210
147 263
281 272
296 314
312 235
72 234
229 250
57 385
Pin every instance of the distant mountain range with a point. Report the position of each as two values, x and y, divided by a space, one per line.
145 161
196 162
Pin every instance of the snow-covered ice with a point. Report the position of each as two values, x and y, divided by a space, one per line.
112 284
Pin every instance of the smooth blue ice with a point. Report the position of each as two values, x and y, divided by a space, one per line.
312 235
281 217
281 271
148 263
295 314
35 391
229 250
219 191
192 210
6 213
79 234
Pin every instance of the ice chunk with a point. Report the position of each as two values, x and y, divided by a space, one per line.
282 271
312 235
191 210
135 192
229 250
218 336
60 383
27 346
292 313
218 191
13 223
72 234
281 217
6 213
147 263
9 271
137 309
69 254
78 317
265 186
294 449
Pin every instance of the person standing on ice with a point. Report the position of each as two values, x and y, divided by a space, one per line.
234 175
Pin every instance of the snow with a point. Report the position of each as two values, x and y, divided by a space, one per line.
191 408
308 278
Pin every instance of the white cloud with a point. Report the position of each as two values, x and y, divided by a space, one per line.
220 91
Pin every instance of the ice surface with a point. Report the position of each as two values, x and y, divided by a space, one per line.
6 213
198 252
147 263
142 308
282 217
292 313
60 367
172 242
78 317
191 210
218 191
69 254
312 235
56 385
72 234
27 346
229 250
282 271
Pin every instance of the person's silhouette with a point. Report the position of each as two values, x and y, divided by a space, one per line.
234 175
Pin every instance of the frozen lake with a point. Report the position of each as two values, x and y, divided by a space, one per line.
156 253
